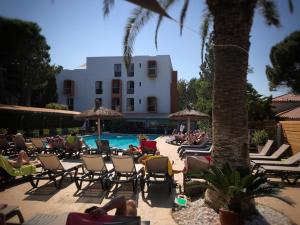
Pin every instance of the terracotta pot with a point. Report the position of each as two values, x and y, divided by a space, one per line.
228 217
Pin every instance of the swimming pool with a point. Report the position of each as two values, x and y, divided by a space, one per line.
117 140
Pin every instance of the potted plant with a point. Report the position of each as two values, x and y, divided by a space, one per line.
237 190
259 138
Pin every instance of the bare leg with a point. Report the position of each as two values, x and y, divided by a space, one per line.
23 159
124 208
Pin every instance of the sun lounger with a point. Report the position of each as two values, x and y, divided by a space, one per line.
148 147
54 168
265 150
183 147
104 148
288 174
8 171
38 144
200 152
157 171
124 167
5 147
292 160
276 155
96 170
11 211
194 167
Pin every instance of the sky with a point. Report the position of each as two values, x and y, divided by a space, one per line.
76 29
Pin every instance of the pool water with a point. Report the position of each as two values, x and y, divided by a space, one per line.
117 140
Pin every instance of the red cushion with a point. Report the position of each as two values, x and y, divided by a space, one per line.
148 144
86 219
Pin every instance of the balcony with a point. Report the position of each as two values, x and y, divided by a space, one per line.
152 69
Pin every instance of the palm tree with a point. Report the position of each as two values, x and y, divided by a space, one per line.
232 22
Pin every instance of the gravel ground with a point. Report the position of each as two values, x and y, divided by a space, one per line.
199 214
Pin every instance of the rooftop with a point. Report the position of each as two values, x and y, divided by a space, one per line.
290 114
290 97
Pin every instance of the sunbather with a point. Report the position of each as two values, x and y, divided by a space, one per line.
144 158
133 149
123 208
22 159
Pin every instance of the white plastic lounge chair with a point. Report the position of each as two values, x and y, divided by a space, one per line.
203 152
265 150
288 174
157 172
276 155
54 168
124 167
292 160
96 170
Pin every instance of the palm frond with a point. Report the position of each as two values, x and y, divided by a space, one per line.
107 5
135 22
151 5
204 32
269 11
183 14
291 6
160 18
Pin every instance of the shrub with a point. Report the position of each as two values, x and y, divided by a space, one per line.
53 105
260 137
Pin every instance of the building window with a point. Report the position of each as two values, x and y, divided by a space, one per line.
100 101
140 83
140 101
116 87
118 69
131 70
115 104
130 104
151 106
130 87
152 67
98 86
70 103
140 65
69 87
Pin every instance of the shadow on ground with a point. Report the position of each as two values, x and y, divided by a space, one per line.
91 193
125 190
46 191
157 195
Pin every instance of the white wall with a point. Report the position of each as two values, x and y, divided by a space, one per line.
102 69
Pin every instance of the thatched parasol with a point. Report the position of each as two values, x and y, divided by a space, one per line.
188 114
98 113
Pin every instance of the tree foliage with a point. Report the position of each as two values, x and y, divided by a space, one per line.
24 61
285 59
54 105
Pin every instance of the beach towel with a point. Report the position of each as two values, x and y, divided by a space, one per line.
22 171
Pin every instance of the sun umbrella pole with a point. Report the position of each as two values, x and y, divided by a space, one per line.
99 128
188 125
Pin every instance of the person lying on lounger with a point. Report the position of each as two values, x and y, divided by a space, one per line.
123 208
144 158
22 159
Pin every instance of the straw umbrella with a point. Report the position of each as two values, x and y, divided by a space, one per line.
98 113
189 115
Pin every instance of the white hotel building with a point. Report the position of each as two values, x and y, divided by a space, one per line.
147 91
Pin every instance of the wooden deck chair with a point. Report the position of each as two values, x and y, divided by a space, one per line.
265 150
54 168
158 170
11 211
124 167
96 170
276 155
288 174
292 160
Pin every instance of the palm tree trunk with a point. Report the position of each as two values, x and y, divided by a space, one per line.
232 25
